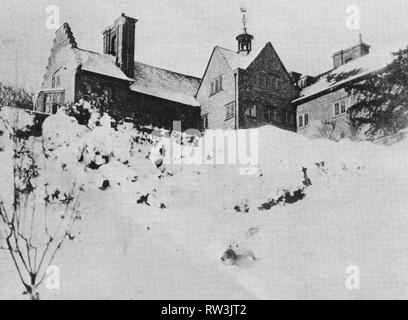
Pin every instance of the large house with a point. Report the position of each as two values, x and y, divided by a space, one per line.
147 93
242 89
246 89
325 98
239 89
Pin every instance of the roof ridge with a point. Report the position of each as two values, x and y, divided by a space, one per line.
86 50
227 49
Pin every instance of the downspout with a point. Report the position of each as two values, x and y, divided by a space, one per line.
236 100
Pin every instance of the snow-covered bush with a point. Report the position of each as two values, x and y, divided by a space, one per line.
319 130
39 206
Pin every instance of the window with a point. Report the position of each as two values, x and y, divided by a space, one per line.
278 84
216 85
204 119
56 79
268 114
262 81
343 106
230 110
251 111
271 82
271 114
113 46
53 100
336 108
340 107
303 120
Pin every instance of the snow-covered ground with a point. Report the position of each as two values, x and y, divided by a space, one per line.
308 210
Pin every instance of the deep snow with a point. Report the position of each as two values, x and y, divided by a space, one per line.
159 233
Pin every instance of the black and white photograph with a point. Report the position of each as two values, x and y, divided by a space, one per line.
217 150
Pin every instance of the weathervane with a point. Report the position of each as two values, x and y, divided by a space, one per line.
244 18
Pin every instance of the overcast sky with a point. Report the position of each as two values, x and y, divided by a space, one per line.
180 34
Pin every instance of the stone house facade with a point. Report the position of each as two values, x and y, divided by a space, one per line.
239 89
150 95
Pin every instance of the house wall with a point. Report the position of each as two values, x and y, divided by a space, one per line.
145 109
148 110
215 105
87 83
62 59
253 93
322 109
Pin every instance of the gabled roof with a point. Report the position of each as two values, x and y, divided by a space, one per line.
375 61
165 84
236 60
148 80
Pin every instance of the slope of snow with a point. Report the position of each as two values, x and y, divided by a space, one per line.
161 228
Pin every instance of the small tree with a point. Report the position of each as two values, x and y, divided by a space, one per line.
38 220
382 99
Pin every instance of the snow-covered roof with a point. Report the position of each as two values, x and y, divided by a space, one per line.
376 60
100 63
236 60
148 80
165 84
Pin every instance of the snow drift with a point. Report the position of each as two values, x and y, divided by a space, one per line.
155 228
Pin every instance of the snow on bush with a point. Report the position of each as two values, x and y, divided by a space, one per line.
304 207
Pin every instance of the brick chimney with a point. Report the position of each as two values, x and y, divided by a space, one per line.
354 52
119 41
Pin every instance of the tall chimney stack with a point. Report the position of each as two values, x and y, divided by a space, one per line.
119 41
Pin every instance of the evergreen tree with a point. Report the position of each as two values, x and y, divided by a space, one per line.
382 99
